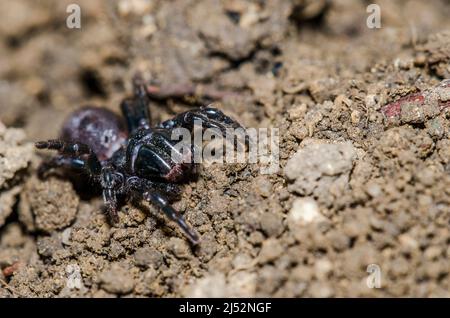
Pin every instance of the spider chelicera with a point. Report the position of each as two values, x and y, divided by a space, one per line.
133 159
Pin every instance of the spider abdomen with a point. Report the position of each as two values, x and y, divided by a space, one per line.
99 128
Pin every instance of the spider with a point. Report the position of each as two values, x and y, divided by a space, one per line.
129 157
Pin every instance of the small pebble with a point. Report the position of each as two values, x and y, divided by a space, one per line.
271 249
271 224
179 247
117 280
148 256
320 290
263 186
304 211
322 268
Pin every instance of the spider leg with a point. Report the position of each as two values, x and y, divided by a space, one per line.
151 192
209 117
73 149
61 161
111 182
170 212
135 109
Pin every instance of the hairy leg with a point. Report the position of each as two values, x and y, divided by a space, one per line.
169 211
64 162
112 183
153 192
209 117
74 150
70 155
135 109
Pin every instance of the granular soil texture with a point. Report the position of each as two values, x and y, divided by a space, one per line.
363 119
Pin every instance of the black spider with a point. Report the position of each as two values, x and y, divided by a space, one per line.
134 162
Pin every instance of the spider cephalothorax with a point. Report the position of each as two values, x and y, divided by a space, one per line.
135 161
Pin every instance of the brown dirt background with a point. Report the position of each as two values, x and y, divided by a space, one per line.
376 192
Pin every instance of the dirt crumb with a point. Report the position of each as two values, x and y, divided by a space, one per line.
15 157
117 279
48 205
202 288
15 154
148 256
303 212
321 169
7 201
270 250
